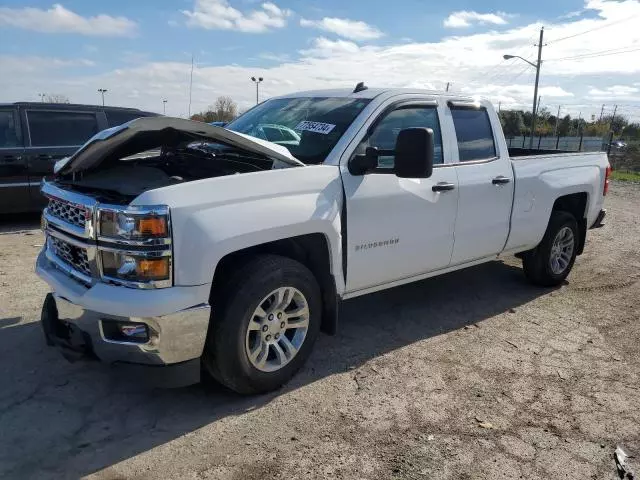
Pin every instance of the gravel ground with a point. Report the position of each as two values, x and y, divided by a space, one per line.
474 374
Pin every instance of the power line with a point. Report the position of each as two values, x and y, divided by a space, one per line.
593 29
602 53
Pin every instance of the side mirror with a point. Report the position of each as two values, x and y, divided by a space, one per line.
414 153
362 164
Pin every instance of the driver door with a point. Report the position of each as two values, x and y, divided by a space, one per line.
398 228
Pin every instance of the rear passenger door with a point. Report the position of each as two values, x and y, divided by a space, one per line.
54 135
14 178
485 179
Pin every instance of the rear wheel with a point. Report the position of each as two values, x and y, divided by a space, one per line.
264 326
551 261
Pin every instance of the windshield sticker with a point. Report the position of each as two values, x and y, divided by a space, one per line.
316 127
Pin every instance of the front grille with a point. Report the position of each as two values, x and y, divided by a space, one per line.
68 212
74 257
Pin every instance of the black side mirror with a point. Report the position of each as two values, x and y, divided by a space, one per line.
414 153
362 164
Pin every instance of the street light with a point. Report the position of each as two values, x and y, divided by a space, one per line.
164 107
103 91
257 82
41 95
535 90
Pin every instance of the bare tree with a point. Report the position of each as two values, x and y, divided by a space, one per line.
56 98
225 109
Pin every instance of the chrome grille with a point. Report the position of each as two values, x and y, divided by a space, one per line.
68 212
73 256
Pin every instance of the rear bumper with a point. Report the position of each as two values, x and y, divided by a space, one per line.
599 219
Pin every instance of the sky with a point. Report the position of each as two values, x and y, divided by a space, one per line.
141 50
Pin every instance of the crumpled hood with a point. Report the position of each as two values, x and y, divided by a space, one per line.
150 132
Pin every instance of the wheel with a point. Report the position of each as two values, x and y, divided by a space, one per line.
265 326
552 260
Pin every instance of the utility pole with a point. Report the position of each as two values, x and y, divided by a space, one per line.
535 90
613 117
555 129
448 83
103 91
601 112
499 107
190 88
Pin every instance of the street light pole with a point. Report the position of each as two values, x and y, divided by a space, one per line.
41 95
103 91
537 66
164 107
257 82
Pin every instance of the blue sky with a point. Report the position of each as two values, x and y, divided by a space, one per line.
140 50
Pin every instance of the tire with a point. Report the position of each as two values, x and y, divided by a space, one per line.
230 342
538 264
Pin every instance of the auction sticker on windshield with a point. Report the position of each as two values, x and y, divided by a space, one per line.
316 127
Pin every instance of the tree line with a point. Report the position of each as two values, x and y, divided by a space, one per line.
518 122
223 110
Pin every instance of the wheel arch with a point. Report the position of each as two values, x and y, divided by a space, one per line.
575 204
312 250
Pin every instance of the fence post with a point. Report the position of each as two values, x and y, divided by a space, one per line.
539 140
580 146
557 142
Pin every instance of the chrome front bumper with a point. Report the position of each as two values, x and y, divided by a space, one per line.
74 318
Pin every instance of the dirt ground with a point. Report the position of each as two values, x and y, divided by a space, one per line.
473 375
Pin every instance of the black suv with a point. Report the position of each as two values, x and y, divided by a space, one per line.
34 136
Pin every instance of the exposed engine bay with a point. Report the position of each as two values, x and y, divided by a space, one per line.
118 165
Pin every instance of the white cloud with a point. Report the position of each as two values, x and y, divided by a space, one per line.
614 91
60 20
343 27
466 18
220 15
472 63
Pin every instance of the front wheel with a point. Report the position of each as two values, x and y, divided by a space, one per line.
551 261
265 325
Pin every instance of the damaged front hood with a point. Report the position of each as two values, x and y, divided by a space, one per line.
146 133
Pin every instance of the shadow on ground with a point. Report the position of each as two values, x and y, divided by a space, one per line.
70 420
17 222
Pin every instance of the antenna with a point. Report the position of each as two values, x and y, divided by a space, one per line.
360 87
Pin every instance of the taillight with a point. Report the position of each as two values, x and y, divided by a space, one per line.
606 180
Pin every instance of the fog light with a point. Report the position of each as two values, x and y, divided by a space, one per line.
116 331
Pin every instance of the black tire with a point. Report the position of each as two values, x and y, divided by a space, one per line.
537 262
225 356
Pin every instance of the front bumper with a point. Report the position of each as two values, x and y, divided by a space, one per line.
74 319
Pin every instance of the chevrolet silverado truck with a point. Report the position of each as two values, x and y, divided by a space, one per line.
189 248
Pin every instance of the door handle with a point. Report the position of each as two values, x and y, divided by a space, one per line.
443 187
500 180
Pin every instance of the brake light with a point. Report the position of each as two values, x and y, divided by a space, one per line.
606 180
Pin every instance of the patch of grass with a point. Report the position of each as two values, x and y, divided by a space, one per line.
626 176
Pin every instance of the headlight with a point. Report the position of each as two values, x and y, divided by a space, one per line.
142 223
136 266
134 245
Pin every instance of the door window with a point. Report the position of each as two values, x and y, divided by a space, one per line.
8 130
474 134
386 132
61 129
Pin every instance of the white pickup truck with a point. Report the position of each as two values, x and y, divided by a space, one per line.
179 244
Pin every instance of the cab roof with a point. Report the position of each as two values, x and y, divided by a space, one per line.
371 93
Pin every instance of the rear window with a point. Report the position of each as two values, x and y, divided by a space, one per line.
61 129
118 118
474 134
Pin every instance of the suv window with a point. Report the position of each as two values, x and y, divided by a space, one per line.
474 134
115 117
386 132
49 128
8 131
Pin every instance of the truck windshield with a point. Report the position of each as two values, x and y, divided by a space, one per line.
308 126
